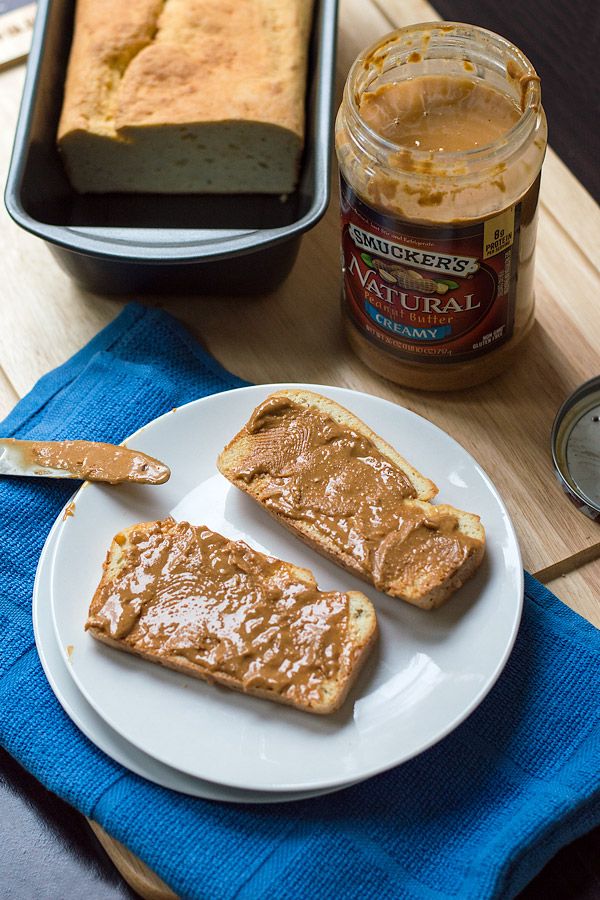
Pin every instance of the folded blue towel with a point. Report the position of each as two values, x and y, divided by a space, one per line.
476 816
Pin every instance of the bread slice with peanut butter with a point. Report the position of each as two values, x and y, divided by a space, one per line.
194 601
343 490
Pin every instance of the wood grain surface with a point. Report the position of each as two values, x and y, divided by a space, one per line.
136 873
294 334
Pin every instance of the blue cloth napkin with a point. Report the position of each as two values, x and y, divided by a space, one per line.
476 816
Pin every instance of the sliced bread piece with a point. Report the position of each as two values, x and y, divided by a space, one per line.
189 96
242 445
338 486
192 600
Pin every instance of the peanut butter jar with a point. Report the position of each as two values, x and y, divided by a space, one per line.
440 140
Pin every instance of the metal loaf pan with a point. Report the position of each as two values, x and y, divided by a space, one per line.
157 243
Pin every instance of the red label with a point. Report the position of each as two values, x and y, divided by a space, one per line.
429 293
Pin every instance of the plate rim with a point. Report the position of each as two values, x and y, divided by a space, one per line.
369 772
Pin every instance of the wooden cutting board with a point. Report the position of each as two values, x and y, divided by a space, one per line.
294 334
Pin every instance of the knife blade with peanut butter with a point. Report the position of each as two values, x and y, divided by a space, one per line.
84 460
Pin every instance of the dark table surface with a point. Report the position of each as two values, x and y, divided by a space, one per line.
561 39
47 850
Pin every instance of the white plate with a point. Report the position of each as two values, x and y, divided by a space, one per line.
428 672
95 728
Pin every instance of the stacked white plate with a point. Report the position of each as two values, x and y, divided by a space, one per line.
427 673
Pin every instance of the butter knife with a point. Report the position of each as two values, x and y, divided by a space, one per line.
85 460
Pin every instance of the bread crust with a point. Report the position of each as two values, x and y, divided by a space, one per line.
470 524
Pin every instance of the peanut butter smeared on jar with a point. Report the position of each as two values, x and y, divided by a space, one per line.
313 468
184 592
438 113
440 140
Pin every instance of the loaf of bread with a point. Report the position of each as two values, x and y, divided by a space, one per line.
186 96
192 600
338 486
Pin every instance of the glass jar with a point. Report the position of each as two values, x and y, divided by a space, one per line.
438 242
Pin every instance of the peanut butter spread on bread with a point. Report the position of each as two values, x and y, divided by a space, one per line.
309 467
181 593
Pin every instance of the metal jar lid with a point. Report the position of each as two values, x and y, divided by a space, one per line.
576 447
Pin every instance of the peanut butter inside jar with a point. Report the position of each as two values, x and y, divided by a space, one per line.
440 141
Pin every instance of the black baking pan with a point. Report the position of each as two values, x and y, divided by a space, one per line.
156 243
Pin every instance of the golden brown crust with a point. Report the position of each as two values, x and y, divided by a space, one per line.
107 36
226 66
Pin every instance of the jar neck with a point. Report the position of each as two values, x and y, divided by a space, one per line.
450 50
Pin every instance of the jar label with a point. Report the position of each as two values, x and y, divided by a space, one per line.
429 293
